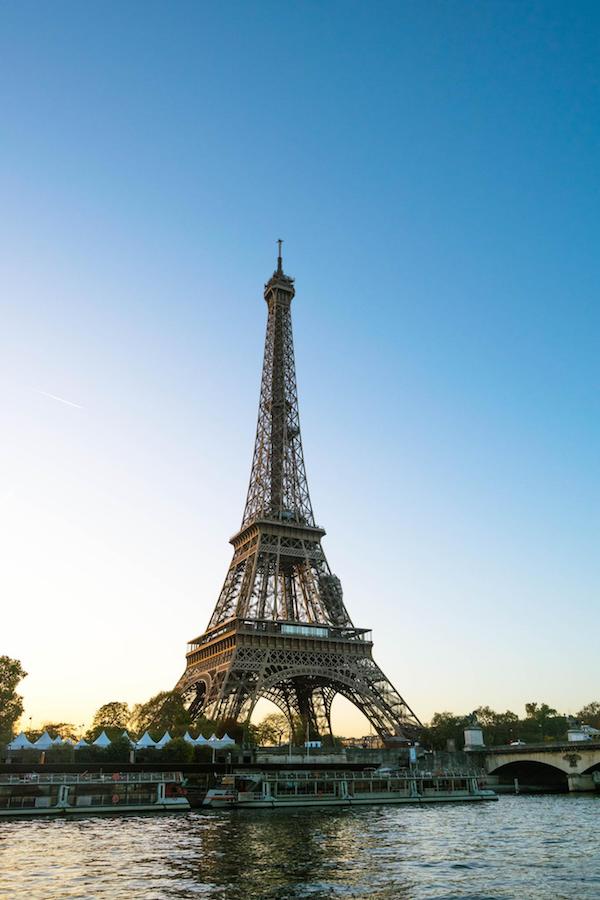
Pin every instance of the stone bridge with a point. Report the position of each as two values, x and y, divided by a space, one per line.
567 766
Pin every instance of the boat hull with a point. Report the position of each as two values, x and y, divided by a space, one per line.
68 811
285 802
279 803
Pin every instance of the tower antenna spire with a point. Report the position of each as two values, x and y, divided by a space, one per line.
279 258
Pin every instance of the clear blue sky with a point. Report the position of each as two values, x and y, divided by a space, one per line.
434 169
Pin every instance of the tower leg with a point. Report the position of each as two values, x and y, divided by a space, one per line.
322 698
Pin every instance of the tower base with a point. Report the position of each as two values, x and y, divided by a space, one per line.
300 668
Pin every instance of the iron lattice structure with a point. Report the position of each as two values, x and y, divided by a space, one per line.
280 629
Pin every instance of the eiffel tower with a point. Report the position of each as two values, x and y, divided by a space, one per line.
280 629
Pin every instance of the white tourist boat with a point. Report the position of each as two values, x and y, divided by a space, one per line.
62 794
282 789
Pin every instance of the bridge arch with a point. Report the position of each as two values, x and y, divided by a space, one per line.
532 774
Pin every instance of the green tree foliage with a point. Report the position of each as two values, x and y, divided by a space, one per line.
238 731
117 752
202 754
590 714
500 728
177 751
541 723
272 730
112 732
444 727
59 729
250 736
540 712
207 727
163 712
90 755
115 714
11 703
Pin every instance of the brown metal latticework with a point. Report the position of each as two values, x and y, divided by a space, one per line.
280 629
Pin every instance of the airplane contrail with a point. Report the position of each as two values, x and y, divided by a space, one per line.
60 399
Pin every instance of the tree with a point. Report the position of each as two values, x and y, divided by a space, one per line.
113 732
539 711
117 751
56 729
275 729
499 728
486 716
210 726
545 720
60 754
503 728
90 755
11 703
115 714
444 727
590 714
237 731
177 751
272 728
163 712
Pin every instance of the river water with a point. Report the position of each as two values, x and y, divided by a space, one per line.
519 847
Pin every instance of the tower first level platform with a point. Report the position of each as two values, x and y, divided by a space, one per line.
300 667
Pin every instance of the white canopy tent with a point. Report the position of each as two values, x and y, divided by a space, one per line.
187 737
201 741
68 742
128 737
165 739
80 743
145 741
44 741
102 740
218 743
21 742
57 741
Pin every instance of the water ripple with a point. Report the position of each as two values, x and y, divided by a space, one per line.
521 847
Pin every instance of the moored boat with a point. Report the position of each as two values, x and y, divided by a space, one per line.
30 795
340 788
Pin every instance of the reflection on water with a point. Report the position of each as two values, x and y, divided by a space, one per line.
520 847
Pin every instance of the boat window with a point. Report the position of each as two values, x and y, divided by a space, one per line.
306 787
362 787
379 785
325 787
284 788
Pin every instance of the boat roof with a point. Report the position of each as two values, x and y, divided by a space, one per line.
339 774
90 777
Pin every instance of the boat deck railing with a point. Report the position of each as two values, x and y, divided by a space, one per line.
90 777
418 775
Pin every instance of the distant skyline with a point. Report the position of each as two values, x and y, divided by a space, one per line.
433 171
